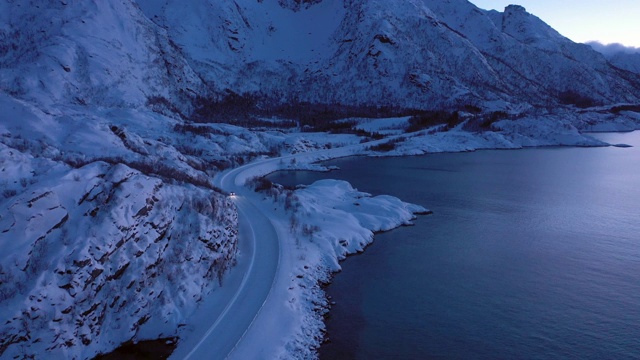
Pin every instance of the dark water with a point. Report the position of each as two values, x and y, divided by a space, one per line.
530 254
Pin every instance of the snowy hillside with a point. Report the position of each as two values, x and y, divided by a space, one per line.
626 61
417 53
110 227
624 57
175 57
88 253
89 52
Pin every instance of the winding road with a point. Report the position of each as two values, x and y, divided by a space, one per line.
258 261
234 307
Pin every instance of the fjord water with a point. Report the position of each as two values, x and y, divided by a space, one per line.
530 254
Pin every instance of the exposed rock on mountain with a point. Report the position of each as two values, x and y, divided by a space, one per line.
109 227
103 53
412 54
93 266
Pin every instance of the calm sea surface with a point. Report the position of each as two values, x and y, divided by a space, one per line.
530 254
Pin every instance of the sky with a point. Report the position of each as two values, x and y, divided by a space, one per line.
613 21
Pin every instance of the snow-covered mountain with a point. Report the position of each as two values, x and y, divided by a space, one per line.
624 57
91 255
627 61
410 54
104 53
416 53
110 227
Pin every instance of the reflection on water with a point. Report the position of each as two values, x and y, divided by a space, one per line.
529 254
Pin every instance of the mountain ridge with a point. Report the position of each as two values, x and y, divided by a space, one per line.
419 54
415 54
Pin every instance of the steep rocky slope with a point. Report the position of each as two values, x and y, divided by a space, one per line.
89 52
416 53
91 255
536 61
110 229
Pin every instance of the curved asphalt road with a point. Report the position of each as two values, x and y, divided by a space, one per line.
259 244
258 263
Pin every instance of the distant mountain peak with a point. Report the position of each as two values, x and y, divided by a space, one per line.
515 9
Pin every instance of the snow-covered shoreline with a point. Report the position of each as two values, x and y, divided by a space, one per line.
181 159
319 225
312 248
311 272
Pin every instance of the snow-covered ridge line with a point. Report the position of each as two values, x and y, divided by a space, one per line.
179 58
412 54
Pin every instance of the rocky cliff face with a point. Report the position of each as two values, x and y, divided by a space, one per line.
110 229
416 53
98 252
103 53
536 62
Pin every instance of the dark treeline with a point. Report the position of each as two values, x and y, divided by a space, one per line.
570 97
247 109
252 110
